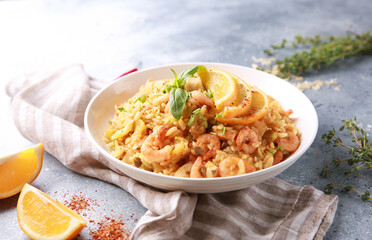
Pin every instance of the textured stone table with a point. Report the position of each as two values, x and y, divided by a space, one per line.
111 37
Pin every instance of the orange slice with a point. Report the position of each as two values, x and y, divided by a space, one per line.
242 103
258 109
42 217
221 84
20 168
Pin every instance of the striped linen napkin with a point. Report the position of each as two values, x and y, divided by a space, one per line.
50 109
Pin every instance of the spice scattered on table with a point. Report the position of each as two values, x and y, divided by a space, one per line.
80 203
109 229
99 228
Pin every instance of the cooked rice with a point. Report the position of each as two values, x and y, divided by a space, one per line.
136 119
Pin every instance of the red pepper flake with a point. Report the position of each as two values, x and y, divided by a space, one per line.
109 229
79 203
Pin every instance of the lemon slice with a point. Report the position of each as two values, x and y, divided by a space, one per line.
258 109
242 102
20 168
221 84
42 217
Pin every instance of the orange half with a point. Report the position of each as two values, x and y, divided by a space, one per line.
42 217
20 168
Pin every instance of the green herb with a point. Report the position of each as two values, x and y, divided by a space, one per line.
208 93
280 148
223 130
141 106
177 99
156 94
167 88
180 80
206 124
175 138
360 153
218 115
110 122
178 96
320 52
272 150
191 120
121 109
142 99
203 118
253 164
196 111
213 133
286 153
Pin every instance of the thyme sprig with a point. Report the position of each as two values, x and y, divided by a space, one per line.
321 52
360 154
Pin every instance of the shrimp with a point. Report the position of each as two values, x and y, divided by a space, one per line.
202 98
207 145
196 168
158 149
261 128
246 140
278 157
233 166
153 141
290 143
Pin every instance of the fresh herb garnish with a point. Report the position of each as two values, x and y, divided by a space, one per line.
223 130
156 94
191 120
203 118
320 52
360 154
196 111
121 109
272 151
178 96
142 99
218 115
280 148
177 99
208 93
167 88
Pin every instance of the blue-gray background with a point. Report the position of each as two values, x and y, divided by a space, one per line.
110 37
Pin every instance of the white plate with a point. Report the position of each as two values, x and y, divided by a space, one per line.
101 109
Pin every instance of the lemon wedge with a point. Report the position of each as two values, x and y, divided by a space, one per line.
42 217
20 168
221 84
259 107
242 102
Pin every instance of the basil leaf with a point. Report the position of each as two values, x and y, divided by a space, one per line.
177 99
188 72
176 81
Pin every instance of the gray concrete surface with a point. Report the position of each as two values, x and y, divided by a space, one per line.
110 37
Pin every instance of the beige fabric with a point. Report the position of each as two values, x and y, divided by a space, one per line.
50 109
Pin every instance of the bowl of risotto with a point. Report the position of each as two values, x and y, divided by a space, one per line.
201 127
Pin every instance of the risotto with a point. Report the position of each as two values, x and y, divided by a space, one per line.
203 123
